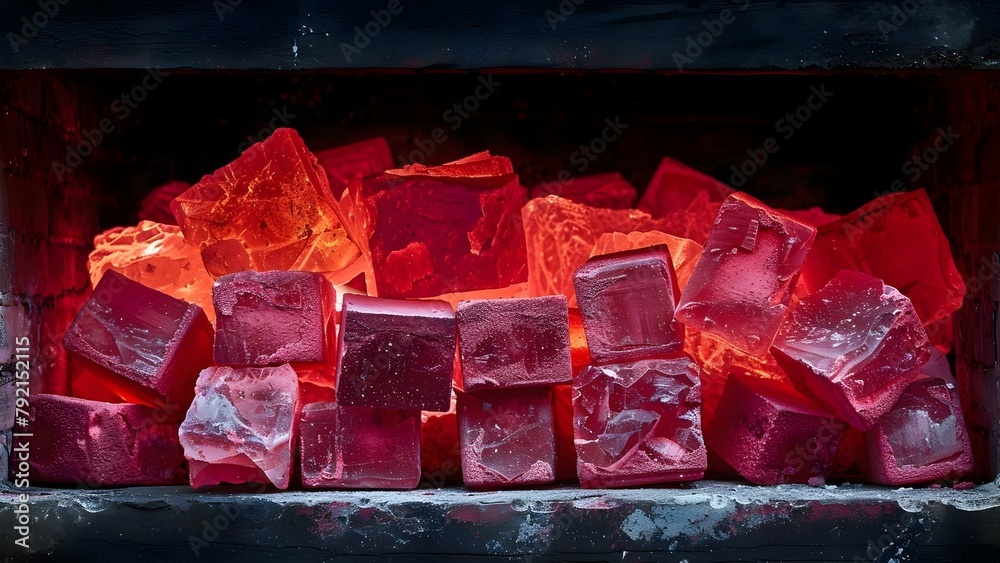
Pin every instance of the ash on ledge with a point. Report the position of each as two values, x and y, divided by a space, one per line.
330 322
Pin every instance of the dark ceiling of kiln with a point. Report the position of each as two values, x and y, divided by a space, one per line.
849 148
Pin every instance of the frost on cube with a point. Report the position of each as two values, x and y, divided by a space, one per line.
140 344
273 318
345 447
898 239
514 342
396 354
270 209
854 346
93 444
771 434
242 425
465 236
508 437
743 282
627 300
638 423
923 437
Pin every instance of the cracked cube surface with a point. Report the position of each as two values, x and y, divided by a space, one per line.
638 423
514 342
359 447
627 302
273 318
897 238
742 285
345 163
157 256
242 425
771 434
608 190
270 209
508 437
144 345
92 444
854 346
396 354
923 437
429 231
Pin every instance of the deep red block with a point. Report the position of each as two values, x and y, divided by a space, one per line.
638 423
273 318
898 239
270 209
345 163
396 354
923 437
242 425
149 346
343 447
608 190
675 187
854 346
514 342
743 283
771 434
627 300
465 234
156 205
94 444
508 437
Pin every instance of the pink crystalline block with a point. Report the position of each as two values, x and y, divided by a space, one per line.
95 444
364 158
627 301
148 346
242 425
854 345
771 434
638 423
508 437
359 447
923 437
396 354
743 282
514 342
273 318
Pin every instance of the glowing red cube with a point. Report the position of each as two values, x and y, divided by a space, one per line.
508 437
638 423
466 236
608 190
898 239
743 283
242 425
771 434
854 346
343 447
627 300
514 342
923 437
145 346
274 318
345 163
91 444
396 354
675 187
